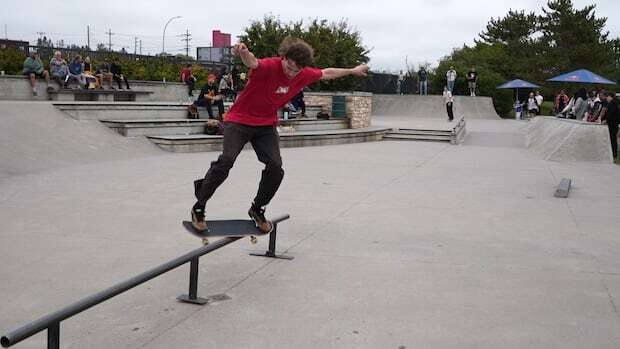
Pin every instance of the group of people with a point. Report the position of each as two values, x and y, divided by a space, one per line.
77 70
599 106
451 75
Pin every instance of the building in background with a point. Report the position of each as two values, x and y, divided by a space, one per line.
221 39
23 46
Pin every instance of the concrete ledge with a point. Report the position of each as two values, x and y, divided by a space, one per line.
17 88
566 140
129 110
133 128
99 95
200 143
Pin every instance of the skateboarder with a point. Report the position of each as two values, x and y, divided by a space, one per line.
272 83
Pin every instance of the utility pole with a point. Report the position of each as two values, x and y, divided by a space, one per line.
135 45
140 47
109 32
187 40
88 36
6 33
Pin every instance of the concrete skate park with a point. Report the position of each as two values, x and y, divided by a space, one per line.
456 241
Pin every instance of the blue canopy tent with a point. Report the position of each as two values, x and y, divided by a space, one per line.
517 84
582 76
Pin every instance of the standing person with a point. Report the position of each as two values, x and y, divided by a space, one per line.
560 102
532 106
423 81
59 69
472 79
33 68
612 116
580 106
451 78
447 96
272 83
188 79
400 82
117 75
539 101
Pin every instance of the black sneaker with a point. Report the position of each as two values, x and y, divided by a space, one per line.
258 216
198 218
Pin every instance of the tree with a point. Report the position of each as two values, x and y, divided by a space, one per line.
573 38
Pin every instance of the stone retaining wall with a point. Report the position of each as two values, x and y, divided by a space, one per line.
358 105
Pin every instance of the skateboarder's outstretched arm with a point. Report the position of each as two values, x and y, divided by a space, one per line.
335 73
246 56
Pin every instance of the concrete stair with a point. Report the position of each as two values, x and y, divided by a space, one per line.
454 135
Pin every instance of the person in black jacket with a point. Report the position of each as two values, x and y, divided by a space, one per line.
117 75
612 116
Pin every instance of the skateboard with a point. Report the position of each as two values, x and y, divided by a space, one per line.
227 227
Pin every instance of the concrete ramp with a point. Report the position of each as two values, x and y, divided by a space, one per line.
35 136
563 140
432 106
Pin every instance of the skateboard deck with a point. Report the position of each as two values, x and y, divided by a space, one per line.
227 227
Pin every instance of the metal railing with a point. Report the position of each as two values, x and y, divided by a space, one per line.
52 321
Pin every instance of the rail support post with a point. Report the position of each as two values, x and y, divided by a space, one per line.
53 336
271 252
192 296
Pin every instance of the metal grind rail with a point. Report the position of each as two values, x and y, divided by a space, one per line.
52 321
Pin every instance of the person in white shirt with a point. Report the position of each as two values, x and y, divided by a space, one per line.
447 96
539 101
451 78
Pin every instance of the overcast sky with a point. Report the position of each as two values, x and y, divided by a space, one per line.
395 31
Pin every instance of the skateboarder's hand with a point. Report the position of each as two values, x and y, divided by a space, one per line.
360 70
239 49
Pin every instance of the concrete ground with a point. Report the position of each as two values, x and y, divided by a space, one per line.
397 244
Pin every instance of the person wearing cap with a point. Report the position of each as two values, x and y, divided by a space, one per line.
253 118
33 68
209 95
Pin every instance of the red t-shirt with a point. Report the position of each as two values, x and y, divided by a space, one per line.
185 74
267 90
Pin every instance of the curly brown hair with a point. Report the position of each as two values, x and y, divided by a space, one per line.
296 50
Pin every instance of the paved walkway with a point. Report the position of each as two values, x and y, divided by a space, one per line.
396 245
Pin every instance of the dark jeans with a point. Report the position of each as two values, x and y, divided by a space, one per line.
613 136
208 103
190 86
449 110
118 78
266 144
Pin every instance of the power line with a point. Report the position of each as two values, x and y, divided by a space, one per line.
109 33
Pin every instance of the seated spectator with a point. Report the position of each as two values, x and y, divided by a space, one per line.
580 106
560 102
209 95
103 73
188 79
117 75
59 69
226 88
297 104
76 71
33 68
91 80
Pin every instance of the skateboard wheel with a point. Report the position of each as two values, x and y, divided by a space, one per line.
253 239
205 241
